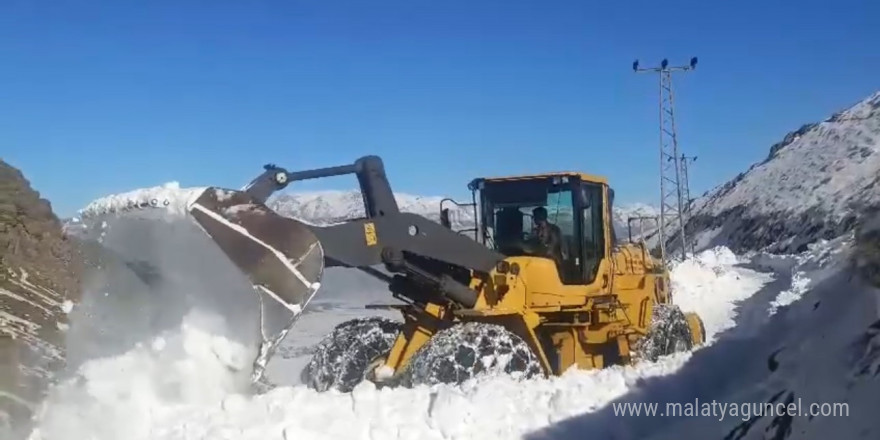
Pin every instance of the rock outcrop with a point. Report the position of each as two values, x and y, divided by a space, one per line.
39 269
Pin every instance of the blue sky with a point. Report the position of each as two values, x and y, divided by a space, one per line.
106 96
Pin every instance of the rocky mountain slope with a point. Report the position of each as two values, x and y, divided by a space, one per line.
812 186
39 270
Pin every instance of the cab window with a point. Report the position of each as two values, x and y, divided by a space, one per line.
593 239
534 218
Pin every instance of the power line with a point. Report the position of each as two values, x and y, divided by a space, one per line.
673 215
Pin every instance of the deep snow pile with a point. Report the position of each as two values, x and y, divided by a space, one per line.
113 398
696 284
186 383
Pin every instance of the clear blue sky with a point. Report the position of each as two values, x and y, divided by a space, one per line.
105 96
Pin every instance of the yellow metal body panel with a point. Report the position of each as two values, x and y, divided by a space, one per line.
584 177
584 326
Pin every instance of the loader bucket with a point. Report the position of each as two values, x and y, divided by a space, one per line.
281 256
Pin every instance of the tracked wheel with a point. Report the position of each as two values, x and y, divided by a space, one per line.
342 358
471 350
671 331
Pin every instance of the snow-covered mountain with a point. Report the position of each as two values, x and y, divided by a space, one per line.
812 186
327 207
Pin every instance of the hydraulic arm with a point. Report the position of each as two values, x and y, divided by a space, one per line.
273 250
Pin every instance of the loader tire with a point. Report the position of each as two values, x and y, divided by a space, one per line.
668 333
470 350
341 359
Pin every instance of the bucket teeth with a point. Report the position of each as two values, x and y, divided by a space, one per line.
281 256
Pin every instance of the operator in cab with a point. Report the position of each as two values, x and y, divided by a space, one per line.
548 235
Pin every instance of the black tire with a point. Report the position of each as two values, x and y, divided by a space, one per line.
455 355
341 359
669 333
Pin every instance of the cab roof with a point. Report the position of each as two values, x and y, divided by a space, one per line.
582 176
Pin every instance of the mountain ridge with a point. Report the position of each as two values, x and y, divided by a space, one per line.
813 185
335 206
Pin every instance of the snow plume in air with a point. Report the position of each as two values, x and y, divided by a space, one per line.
169 198
116 397
153 268
187 383
165 320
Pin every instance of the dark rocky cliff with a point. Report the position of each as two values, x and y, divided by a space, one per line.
39 270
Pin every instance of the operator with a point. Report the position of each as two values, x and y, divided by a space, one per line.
548 235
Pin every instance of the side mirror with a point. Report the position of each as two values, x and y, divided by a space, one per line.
444 218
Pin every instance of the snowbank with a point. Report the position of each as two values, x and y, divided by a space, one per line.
188 384
706 284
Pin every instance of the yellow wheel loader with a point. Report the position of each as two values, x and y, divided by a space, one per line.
500 298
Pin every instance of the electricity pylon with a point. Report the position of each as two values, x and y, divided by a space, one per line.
672 205
686 191
685 182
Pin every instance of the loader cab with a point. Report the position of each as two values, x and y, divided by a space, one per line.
576 207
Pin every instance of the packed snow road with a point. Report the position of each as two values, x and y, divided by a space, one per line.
189 382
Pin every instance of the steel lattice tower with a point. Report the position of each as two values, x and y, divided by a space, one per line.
685 185
673 216
686 194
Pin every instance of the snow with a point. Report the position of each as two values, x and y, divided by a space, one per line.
328 207
812 186
169 197
803 333
822 348
828 166
191 365
821 258
695 283
170 200
190 382
334 206
67 306
799 286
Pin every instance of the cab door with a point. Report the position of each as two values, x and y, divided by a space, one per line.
592 231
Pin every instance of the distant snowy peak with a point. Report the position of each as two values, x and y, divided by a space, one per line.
328 207
811 186
317 207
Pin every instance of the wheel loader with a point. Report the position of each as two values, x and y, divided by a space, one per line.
491 299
